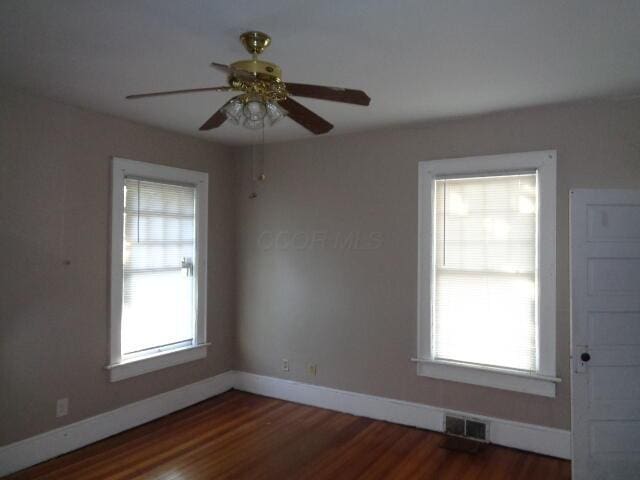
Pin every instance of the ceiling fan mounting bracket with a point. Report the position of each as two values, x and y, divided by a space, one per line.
255 42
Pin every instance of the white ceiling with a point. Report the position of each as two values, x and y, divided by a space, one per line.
417 59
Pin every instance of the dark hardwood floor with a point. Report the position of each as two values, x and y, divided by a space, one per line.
242 436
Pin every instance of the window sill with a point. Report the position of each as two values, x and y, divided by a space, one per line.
140 366
534 384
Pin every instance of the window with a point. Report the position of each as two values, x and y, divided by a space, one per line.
487 271
158 267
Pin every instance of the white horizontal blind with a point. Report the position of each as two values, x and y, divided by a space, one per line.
485 271
158 304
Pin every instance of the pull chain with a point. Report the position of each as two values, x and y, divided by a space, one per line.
257 168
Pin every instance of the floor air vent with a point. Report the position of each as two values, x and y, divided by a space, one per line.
454 426
466 427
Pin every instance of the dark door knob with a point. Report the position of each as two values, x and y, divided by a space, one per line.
585 357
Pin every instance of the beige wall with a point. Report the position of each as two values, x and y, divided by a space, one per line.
54 207
353 310
334 297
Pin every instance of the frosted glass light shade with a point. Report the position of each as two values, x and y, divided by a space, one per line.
254 113
274 112
233 110
254 110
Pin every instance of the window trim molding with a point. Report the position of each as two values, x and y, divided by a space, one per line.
157 361
118 367
542 382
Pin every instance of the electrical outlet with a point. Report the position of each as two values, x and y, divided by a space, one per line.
313 369
285 365
62 407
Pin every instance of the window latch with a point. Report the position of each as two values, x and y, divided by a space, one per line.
187 265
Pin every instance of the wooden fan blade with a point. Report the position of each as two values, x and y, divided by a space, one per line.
221 66
334 94
214 121
305 117
174 92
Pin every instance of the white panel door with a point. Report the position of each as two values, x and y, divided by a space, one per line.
605 334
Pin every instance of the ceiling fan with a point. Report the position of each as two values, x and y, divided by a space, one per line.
264 96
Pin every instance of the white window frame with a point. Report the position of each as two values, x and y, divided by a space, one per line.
118 367
543 382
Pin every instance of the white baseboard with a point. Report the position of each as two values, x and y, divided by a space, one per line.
22 454
533 438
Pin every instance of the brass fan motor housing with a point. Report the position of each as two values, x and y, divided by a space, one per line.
256 77
263 79
273 90
259 69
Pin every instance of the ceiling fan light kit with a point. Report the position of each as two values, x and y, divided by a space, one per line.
253 112
264 98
